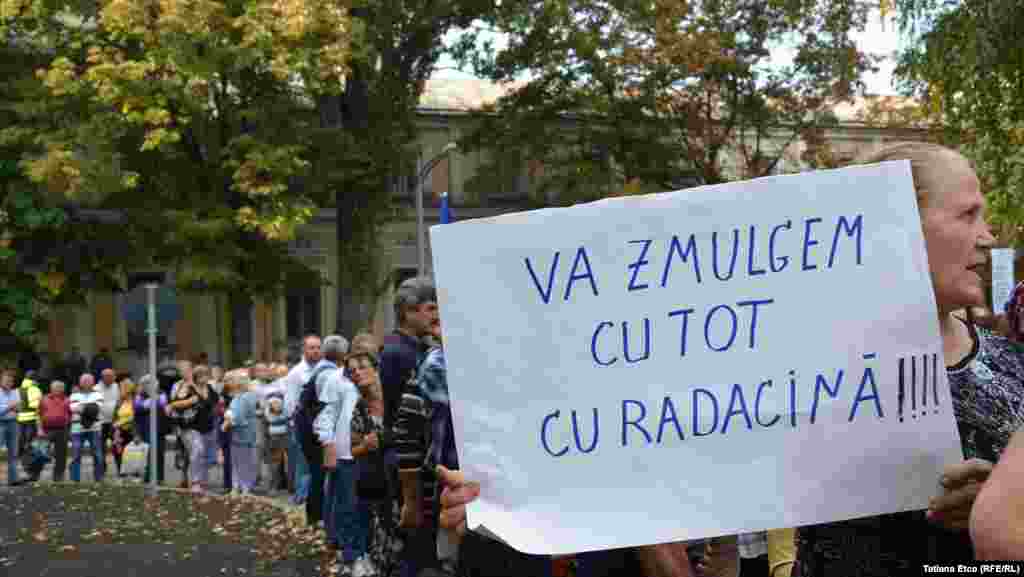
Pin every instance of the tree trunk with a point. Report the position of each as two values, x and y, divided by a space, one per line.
351 311
350 111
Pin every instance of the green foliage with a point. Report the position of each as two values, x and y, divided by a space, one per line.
188 120
25 295
964 63
216 127
659 94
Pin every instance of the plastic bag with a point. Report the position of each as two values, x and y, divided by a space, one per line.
133 461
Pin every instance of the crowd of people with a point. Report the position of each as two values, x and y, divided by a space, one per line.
320 432
362 436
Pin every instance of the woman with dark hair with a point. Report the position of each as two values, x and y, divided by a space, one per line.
197 402
377 501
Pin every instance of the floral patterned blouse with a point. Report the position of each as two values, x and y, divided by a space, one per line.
988 400
385 544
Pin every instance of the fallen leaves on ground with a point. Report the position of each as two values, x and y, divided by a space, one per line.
124 514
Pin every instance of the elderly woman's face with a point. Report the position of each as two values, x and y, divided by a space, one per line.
362 372
957 237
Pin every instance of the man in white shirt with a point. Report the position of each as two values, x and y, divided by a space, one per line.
86 405
298 376
333 426
111 395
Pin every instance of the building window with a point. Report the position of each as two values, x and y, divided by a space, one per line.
302 313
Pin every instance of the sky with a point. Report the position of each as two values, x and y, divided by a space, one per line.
879 39
876 39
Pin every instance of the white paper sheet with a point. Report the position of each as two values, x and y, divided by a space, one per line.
1002 277
845 287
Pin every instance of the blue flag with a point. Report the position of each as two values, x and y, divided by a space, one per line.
446 211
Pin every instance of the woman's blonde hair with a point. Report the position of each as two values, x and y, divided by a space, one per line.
365 342
929 164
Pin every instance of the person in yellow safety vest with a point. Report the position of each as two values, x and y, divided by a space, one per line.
28 412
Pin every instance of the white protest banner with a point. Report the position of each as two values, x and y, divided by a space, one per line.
1002 277
704 362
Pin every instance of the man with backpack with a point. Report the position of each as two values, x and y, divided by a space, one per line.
54 420
298 376
310 432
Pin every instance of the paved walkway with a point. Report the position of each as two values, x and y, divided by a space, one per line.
74 556
18 558
172 475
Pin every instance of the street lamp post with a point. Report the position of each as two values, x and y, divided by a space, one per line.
422 171
151 281
151 331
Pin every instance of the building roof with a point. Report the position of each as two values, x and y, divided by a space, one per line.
461 94
454 95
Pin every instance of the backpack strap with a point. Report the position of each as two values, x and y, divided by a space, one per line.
312 380
316 375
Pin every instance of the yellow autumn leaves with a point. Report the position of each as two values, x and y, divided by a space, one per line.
58 169
170 66
298 41
279 221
